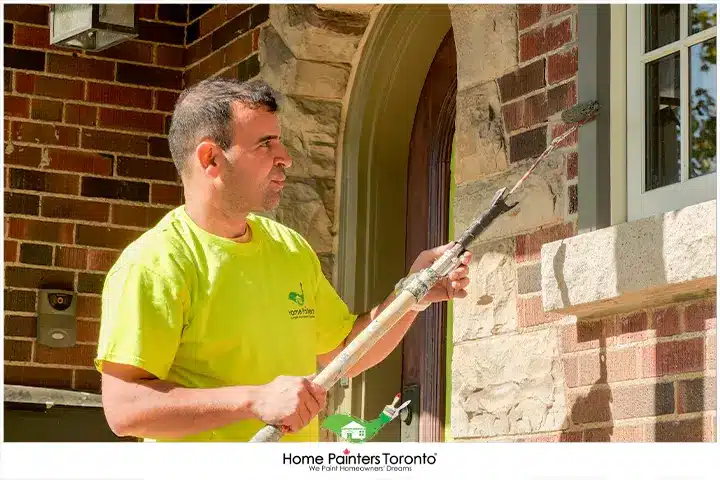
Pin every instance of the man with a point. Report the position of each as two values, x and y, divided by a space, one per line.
214 321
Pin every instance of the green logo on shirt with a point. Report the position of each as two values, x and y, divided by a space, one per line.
298 298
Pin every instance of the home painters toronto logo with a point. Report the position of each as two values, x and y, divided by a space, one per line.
347 462
356 430
299 299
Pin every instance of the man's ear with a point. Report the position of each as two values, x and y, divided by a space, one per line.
207 155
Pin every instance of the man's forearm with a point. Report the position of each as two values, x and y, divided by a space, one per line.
385 345
160 409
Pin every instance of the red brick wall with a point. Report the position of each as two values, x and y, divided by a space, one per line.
647 375
87 164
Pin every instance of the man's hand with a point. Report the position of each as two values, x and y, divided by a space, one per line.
289 402
451 286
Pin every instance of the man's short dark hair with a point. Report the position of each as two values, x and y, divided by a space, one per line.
205 110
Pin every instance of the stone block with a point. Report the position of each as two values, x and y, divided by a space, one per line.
489 308
507 385
541 199
309 132
480 143
285 73
303 210
486 40
656 260
320 34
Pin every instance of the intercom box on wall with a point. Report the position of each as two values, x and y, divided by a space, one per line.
56 323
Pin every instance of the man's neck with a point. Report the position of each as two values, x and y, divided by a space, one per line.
219 222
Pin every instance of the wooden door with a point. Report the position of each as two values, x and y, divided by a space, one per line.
427 226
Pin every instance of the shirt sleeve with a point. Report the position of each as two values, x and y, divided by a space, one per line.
333 318
141 321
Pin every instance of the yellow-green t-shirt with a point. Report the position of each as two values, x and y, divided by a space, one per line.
205 311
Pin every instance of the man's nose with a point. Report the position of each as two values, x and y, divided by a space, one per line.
282 156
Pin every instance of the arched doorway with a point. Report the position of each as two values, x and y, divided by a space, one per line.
399 95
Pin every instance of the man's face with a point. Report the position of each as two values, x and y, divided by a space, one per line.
254 173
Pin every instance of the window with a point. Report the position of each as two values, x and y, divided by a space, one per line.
671 107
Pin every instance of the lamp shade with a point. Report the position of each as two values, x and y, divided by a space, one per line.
92 27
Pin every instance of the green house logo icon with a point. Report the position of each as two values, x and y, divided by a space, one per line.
298 298
355 430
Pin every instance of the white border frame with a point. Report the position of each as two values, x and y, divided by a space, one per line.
688 191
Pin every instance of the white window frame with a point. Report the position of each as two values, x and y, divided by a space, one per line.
641 204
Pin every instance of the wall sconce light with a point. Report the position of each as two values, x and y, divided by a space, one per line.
92 27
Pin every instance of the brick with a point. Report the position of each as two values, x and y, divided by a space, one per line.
197 10
700 316
666 321
561 97
572 199
79 161
525 113
591 407
89 306
90 282
24 155
238 50
53 87
711 352
697 395
617 366
48 110
80 114
9 33
137 216
10 251
87 381
555 8
172 13
674 357
259 14
8 80
25 229
80 355
165 100
115 189
248 69
192 33
528 15
557 35
690 430
43 181
230 31
74 209
22 277
530 312
37 37
165 194
131 120
562 66
81 67
114 142
35 14
70 257
572 165
159 147
147 11
45 134
24 59
198 51
255 39
146 169
36 254
149 76
118 95
235 9
105 237
646 400
168 56
18 350
19 300
16 106
17 326
161 33
615 433
528 144
206 68
522 81
38 376
132 51
21 203
529 278
102 260
570 140
212 20
532 44
570 369
586 335
527 247
514 115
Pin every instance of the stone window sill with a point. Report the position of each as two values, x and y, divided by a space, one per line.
51 397
661 259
